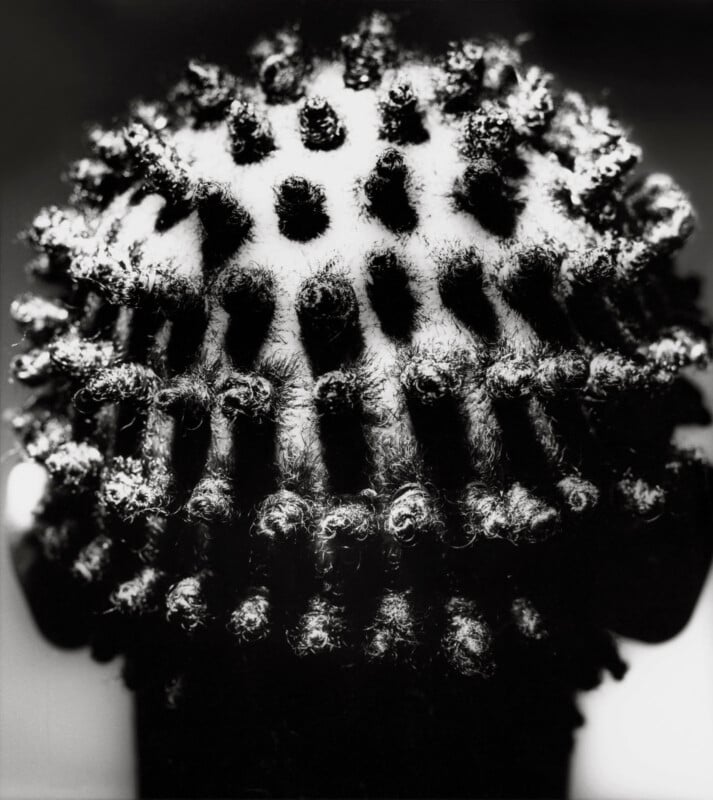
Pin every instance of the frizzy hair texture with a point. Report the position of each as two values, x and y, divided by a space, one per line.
342 353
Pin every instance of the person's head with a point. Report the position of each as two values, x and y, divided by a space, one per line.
363 367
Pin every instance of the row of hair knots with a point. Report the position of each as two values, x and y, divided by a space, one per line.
137 487
328 309
401 629
429 380
664 221
469 73
208 94
506 104
300 204
396 624
72 250
399 624
338 532
403 625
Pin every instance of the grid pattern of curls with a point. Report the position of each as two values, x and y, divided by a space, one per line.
350 359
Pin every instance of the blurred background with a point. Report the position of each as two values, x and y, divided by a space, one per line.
65 727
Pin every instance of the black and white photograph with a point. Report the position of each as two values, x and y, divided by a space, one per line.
356 399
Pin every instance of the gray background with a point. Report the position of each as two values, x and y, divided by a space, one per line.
71 62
